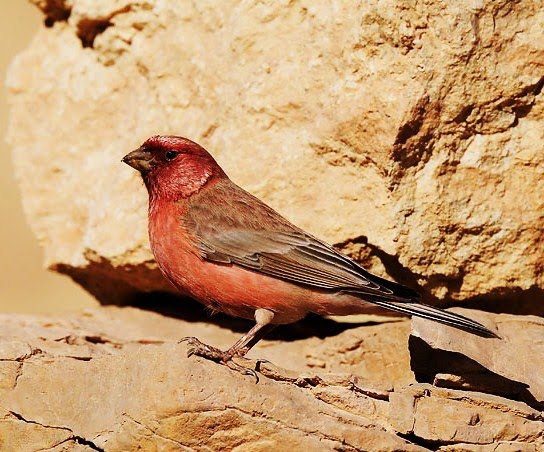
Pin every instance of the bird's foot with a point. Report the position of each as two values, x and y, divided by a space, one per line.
201 349
198 348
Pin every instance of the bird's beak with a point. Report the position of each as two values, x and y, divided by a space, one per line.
140 159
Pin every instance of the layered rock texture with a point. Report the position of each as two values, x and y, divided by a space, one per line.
117 379
408 134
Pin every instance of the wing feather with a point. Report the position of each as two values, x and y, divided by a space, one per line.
233 227
279 249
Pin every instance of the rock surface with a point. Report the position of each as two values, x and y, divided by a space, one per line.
117 379
409 134
505 366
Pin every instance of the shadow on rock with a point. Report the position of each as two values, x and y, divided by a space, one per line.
189 310
454 370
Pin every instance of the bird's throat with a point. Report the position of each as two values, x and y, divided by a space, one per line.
175 186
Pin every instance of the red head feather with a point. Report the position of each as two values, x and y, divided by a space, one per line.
173 167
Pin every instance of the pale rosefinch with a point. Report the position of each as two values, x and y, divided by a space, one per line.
233 253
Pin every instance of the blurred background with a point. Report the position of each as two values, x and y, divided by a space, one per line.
25 285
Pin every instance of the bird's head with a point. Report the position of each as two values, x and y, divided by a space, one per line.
173 167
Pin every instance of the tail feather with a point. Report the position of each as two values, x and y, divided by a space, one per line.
436 314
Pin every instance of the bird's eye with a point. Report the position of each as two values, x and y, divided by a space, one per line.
170 155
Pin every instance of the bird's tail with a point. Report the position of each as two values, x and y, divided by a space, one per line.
436 314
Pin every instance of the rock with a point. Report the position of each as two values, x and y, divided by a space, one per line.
117 379
509 366
452 418
407 134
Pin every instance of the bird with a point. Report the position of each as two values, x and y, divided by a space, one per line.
230 251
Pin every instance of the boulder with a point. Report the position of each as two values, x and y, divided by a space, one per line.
409 135
507 366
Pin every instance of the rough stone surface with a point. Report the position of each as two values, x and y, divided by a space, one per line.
116 379
409 134
506 366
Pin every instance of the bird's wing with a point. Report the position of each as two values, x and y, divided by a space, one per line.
292 256
245 232
233 227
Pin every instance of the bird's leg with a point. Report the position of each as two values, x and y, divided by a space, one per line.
263 318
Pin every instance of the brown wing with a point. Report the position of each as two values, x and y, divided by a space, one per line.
236 228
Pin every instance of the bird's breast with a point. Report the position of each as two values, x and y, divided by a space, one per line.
173 245
224 287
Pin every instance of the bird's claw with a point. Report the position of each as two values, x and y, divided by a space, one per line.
259 362
198 348
243 370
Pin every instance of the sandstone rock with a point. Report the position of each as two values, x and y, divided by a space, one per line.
440 416
510 366
116 379
408 134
